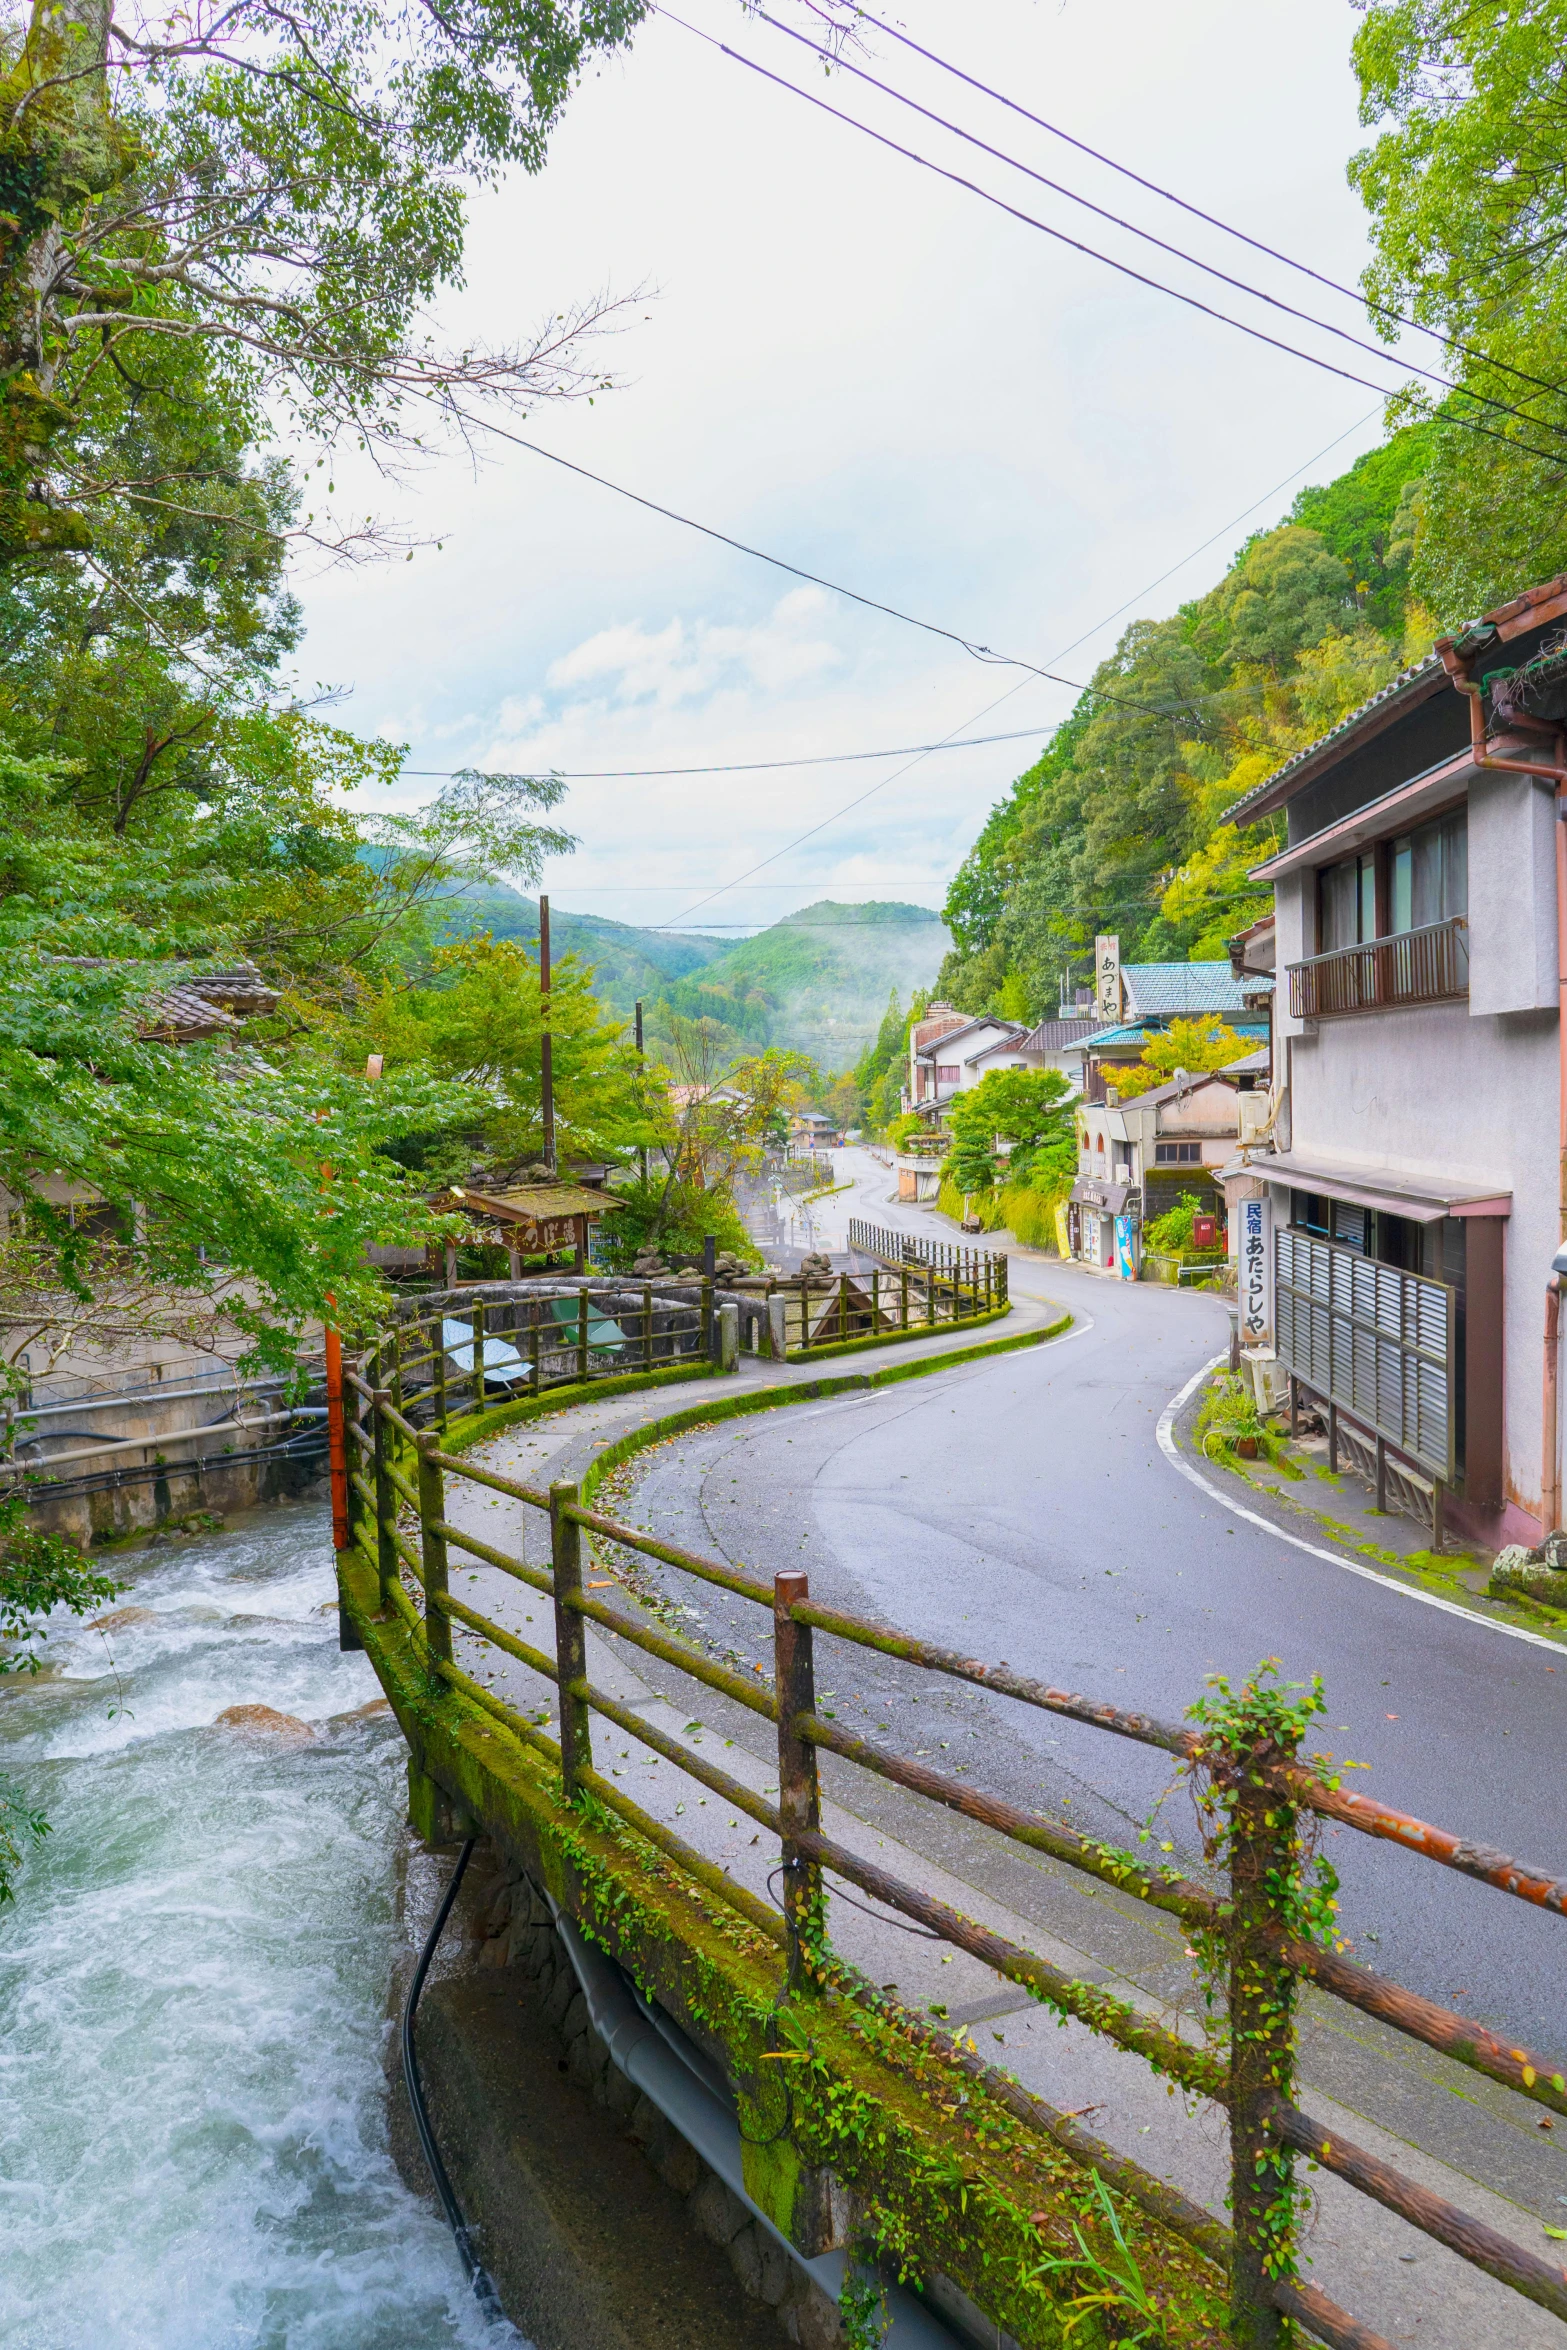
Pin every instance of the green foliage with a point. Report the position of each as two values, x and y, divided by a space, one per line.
1112 2287
1468 201
1366 517
881 1070
1186 1044
675 1218
1028 1108
39 1572
1172 1233
479 1025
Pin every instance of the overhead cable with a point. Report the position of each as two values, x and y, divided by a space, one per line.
1168 196
1122 268
1376 351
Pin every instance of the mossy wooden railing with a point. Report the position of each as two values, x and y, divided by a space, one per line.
952 2165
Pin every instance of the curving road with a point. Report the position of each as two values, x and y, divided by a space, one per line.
1022 1509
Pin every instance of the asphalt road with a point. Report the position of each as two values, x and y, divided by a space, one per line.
1022 1509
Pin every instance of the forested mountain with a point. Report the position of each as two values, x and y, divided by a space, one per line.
627 962
817 981
1122 824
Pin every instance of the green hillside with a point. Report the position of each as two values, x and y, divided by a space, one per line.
817 981
1123 824
627 962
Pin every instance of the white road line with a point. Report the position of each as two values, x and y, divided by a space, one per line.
1194 1476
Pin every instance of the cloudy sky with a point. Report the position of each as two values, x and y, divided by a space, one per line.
868 371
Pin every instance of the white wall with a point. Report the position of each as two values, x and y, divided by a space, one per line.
1446 1093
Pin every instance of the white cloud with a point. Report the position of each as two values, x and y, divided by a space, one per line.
686 662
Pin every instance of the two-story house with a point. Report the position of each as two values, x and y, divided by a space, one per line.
1138 1158
1401 1228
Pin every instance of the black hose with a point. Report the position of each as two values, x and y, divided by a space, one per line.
478 2277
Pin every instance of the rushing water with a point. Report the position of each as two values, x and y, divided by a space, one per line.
193 2143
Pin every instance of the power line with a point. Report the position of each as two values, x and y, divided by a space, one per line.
984 653
1075 244
970 742
1168 196
1161 244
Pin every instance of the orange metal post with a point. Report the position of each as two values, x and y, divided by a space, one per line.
334 1432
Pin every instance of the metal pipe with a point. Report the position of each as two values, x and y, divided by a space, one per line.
1550 1443
546 1045
483 2290
648 2052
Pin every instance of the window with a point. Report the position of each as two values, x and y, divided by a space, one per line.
948 1073
1177 1154
1347 903
1428 874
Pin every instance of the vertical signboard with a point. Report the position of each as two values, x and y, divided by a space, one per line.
1107 978
1255 1271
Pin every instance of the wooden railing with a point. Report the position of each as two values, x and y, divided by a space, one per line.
975 1268
1425 966
401 1472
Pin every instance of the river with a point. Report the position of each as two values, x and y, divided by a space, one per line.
193 2138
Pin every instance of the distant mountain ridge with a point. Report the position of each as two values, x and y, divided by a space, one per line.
817 982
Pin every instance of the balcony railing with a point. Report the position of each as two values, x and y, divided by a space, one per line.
1422 966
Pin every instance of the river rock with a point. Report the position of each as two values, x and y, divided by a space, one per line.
120 1619
362 1713
265 1720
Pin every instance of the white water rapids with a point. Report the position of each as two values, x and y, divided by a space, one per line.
193 2143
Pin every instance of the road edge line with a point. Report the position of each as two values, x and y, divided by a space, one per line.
1165 1431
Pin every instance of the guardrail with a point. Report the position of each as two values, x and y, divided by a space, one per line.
979 1268
1264 1931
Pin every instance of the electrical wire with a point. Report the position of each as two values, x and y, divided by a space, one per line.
1168 196
1177 252
752 766
985 653
1076 245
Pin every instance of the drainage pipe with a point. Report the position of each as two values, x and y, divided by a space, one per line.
483 2290
691 2094
1556 773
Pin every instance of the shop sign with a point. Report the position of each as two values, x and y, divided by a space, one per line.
1255 1269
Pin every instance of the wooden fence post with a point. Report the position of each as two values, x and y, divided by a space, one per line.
647 1326
438 1369
397 1365
799 1796
571 1637
843 1306
385 1498
903 1295
1264 1861
582 1333
432 1546
478 1354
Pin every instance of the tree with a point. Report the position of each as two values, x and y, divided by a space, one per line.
478 1027
1465 185
1189 1045
268 200
1030 1109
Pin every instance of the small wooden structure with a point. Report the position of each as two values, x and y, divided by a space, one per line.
536 1219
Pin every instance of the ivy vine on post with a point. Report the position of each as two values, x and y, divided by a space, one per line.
1277 1883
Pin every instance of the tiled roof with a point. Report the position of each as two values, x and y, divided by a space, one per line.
949 1036
1051 1035
1418 673
1181 989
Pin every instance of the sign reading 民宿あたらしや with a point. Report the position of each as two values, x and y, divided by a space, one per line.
1255 1273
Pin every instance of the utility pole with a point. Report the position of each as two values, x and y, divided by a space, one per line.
546 1055
642 1061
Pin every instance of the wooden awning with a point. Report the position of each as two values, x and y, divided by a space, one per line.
533 1203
